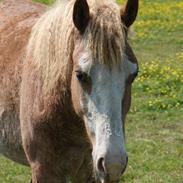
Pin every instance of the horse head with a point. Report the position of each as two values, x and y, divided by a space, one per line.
104 68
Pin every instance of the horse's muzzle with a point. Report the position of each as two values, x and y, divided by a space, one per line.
111 171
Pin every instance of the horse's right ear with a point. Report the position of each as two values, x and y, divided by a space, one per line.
81 15
129 12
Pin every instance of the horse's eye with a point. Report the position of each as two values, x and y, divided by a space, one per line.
82 76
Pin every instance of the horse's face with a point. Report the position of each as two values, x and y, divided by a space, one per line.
101 97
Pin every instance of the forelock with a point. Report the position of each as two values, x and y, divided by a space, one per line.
105 35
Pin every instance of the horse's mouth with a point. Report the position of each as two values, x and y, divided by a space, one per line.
109 181
106 179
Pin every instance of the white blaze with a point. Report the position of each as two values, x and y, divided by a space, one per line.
104 104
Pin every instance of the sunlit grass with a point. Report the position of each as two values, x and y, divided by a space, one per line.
154 126
46 1
162 85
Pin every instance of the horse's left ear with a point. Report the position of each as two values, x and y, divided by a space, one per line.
129 12
81 15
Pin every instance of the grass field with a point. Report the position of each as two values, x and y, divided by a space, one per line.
155 122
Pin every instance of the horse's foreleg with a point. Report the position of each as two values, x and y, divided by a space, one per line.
45 174
44 161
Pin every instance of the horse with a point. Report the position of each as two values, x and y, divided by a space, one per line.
66 74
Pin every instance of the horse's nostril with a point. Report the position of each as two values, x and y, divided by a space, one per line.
100 165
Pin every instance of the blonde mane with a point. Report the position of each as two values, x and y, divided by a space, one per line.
51 43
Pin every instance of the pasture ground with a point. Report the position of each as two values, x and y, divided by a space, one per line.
154 126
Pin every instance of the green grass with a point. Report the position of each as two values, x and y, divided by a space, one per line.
46 1
11 172
155 123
